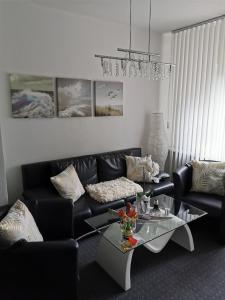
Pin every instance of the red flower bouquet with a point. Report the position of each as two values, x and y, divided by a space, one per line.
127 220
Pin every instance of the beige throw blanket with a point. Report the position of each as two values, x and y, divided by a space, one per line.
113 190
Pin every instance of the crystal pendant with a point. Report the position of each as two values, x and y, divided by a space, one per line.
105 67
132 67
124 67
110 68
139 69
117 68
145 69
154 70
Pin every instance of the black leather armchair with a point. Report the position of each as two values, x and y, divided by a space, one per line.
213 204
39 270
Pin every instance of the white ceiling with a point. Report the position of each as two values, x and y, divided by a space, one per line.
166 14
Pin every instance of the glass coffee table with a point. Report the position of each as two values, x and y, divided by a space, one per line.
153 234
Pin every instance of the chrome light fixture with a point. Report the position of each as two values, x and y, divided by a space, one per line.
136 63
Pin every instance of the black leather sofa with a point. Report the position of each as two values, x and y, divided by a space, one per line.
213 204
41 196
40 270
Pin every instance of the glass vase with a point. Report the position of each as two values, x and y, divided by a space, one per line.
128 227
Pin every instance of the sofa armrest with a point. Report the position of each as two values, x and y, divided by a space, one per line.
182 179
39 267
53 214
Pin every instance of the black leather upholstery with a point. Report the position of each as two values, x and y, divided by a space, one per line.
214 205
36 175
208 202
165 186
85 166
99 208
52 213
39 270
111 167
41 196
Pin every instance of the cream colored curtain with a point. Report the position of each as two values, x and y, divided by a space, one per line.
198 94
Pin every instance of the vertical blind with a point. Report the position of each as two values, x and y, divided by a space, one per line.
198 94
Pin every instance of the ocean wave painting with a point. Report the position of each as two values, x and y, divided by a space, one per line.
74 97
108 98
32 96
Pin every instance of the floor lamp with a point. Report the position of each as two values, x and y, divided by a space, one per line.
158 142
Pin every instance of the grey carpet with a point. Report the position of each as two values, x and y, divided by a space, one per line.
172 274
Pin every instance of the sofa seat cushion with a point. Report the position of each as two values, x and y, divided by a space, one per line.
99 208
165 186
130 199
211 203
81 210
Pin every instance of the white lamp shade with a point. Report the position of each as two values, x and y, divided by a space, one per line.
158 142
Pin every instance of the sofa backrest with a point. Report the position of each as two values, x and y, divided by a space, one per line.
86 167
90 168
113 164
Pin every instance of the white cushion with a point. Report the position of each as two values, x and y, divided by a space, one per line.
113 189
142 169
68 184
18 224
208 177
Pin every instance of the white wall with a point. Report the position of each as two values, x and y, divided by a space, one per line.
48 42
3 184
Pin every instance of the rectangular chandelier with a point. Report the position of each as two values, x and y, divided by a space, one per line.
136 63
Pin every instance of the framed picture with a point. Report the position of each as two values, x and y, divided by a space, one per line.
108 98
32 96
74 97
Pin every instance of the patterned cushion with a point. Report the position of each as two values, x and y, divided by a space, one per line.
18 224
142 169
68 184
111 190
208 177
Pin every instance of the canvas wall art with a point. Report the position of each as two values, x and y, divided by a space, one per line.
74 97
32 96
108 98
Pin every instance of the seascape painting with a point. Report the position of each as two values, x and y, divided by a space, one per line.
74 97
108 98
32 96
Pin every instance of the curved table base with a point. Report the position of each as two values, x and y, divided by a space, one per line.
118 264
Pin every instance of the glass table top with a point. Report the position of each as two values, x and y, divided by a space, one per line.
146 230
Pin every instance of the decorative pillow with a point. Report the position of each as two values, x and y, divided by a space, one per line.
142 169
18 224
68 184
208 177
113 190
